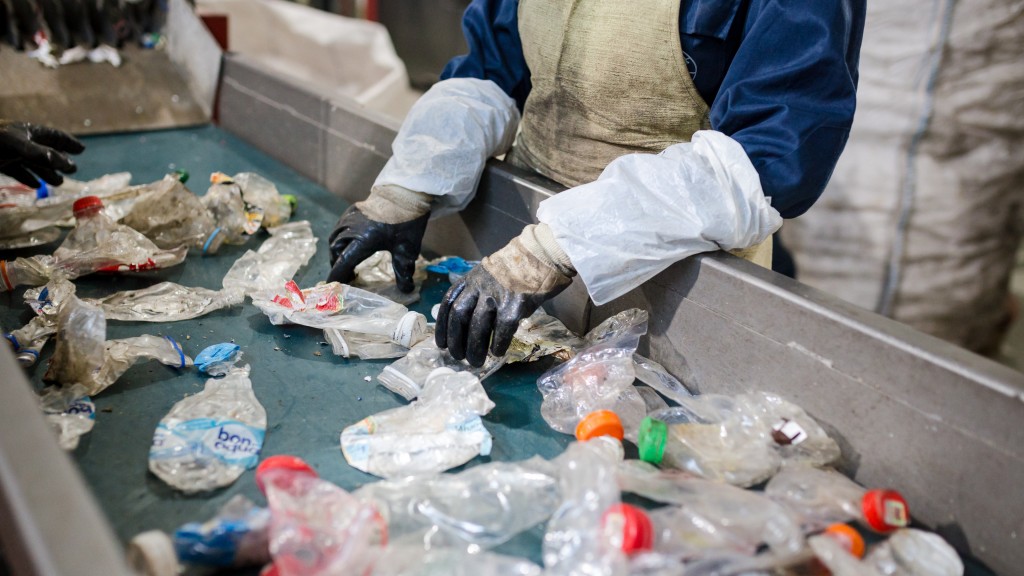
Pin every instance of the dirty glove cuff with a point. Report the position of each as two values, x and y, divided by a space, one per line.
539 240
393 204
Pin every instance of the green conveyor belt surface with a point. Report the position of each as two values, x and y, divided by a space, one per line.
310 394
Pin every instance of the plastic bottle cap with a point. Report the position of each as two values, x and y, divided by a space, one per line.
599 423
651 441
630 524
410 326
849 537
885 510
270 570
282 462
182 175
293 202
87 205
152 554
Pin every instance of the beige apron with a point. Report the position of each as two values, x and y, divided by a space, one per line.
608 79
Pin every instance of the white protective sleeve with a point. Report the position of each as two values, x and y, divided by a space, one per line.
648 211
447 138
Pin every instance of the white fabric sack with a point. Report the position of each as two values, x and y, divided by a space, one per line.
648 211
447 138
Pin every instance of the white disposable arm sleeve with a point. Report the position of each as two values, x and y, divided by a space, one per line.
648 211
447 138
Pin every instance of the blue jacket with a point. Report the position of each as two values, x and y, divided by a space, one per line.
780 77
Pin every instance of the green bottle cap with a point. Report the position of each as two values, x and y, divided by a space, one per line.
182 175
651 441
293 202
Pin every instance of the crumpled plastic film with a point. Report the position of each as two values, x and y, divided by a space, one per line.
693 197
447 138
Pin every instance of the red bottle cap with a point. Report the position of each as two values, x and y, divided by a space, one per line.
849 537
632 525
270 570
599 423
87 205
281 462
885 510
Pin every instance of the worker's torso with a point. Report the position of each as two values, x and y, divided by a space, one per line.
609 78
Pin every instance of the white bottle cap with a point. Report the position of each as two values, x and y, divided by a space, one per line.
152 554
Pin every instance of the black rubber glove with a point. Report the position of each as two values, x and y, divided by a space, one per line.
356 237
506 287
28 151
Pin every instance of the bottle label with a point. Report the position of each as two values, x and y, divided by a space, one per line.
229 441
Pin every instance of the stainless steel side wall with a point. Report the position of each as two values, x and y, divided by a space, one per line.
942 425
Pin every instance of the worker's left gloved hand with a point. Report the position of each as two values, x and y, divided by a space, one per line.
506 287
28 150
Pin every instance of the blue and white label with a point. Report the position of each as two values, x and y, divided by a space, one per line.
82 407
229 441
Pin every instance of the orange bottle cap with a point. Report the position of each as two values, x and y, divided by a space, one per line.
599 423
849 537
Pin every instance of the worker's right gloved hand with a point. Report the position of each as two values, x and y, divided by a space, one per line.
393 219
29 152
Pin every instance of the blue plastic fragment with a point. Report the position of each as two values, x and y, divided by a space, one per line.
216 354
452 264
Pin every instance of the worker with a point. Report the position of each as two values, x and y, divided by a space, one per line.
30 153
679 128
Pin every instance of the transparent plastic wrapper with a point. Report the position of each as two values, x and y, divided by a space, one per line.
411 560
440 430
600 377
171 215
289 248
218 359
237 536
209 439
80 344
46 302
823 497
710 517
167 302
341 307
910 552
70 412
316 528
408 375
575 541
376 274
507 498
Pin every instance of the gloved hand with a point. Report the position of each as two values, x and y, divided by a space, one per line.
27 148
393 219
506 287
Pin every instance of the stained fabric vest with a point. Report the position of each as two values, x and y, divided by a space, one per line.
609 79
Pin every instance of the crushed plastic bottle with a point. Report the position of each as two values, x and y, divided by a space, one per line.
29 340
224 202
209 439
823 497
440 430
408 375
376 274
410 560
659 379
344 312
289 248
171 215
218 359
708 517
80 344
507 498
600 377
316 528
262 198
167 302
575 541
740 440
541 335
910 552
70 412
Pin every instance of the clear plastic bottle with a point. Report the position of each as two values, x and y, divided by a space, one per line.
507 498
823 497
440 430
120 355
29 340
80 344
316 528
224 202
412 560
408 375
262 195
70 412
289 248
209 439
910 552
166 302
171 215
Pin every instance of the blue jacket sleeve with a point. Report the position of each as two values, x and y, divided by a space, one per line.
790 93
491 28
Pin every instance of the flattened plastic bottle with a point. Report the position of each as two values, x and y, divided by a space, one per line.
823 497
80 344
289 248
411 560
166 302
262 194
377 274
224 202
209 439
910 552
316 528
440 430
171 215
70 412
46 302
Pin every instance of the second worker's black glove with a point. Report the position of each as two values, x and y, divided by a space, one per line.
29 153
